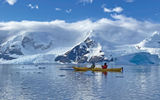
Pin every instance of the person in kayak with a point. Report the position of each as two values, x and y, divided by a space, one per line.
105 66
92 66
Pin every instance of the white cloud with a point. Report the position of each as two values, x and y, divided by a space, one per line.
129 1
11 2
68 11
121 30
58 9
86 1
116 9
107 10
33 6
66 34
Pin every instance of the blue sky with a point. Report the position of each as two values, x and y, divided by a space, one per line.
75 10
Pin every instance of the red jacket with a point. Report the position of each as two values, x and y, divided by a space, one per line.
104 67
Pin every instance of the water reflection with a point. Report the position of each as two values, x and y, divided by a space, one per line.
50 82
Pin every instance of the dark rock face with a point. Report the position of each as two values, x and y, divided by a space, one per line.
62 59
6 57
78 53
29 42
96 59
13 50
83 59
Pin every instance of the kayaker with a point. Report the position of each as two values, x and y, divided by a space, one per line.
105 66
92 66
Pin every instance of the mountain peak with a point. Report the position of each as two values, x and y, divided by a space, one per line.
87 51
155 33
151 42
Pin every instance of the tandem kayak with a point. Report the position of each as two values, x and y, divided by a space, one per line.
98 69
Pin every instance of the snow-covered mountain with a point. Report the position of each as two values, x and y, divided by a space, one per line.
150 44
87 51
145 52
29 47
74 42
44 47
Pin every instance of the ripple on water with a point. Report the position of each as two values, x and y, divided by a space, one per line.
29 82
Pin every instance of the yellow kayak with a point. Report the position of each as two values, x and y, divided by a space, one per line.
98 69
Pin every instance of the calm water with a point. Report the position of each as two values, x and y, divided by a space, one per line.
50 82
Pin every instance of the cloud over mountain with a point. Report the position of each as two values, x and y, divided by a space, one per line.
120 30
